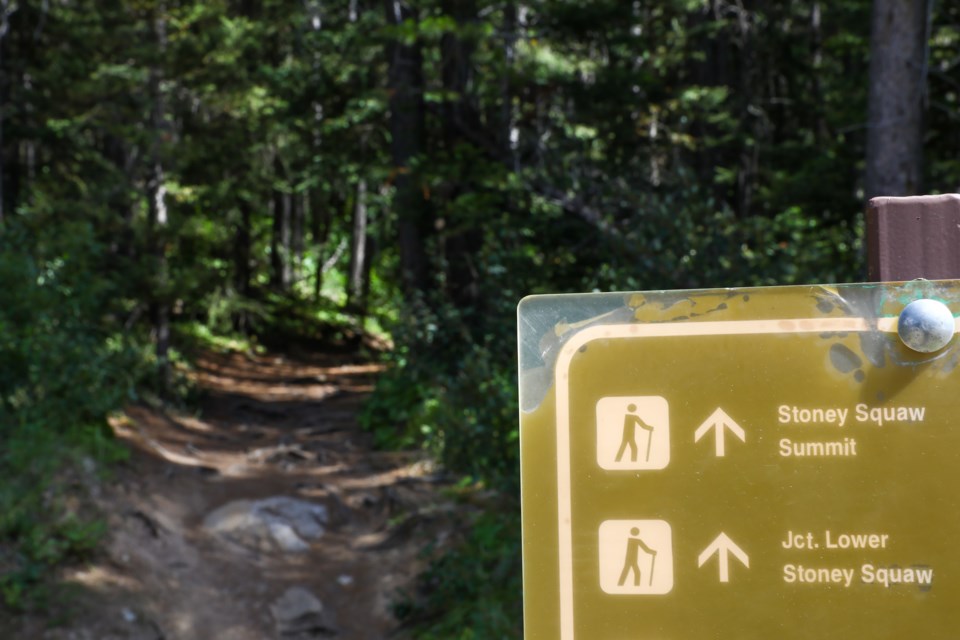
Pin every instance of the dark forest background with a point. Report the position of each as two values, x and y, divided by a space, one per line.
360 172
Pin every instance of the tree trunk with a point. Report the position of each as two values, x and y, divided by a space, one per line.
287 243
320 220
6 9
460 120
821 127
276 232
280 238
242 245
898 50
710 69
30 146
123 242
297 243
156 203
751 134
406 132
3 103
459 114
356 286
509 132
318 215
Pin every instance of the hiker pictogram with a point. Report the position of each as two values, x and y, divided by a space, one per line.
631 423
636 557
633 433
631 563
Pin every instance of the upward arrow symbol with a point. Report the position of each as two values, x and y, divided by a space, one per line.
719 421
722 547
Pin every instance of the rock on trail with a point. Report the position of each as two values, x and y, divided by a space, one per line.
299 614
283 524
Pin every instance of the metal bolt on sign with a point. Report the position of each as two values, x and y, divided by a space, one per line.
926 325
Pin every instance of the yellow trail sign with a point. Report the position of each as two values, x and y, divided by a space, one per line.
738 464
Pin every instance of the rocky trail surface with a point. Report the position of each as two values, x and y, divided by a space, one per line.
264 515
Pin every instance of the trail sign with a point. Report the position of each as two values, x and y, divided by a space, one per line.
739 464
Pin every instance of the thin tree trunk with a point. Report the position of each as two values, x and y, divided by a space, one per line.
157 206
297 243
319 216
510 133
458 112
6 10
322 221
750 133
460 118
358 252
286 239
280 238
30 146
242 250
821 128
276 267
3 104
898 50
707 70
156 194
123 241
318 236
407 130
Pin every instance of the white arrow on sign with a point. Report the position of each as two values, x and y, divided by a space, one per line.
719 421
722 547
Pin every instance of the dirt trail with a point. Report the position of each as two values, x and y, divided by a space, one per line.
266 515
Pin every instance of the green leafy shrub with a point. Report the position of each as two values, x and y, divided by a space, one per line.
452 395
451 389
61 372
472 592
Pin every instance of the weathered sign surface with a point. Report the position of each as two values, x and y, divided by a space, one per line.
739 464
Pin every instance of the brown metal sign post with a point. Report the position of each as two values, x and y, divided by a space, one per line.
915 237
